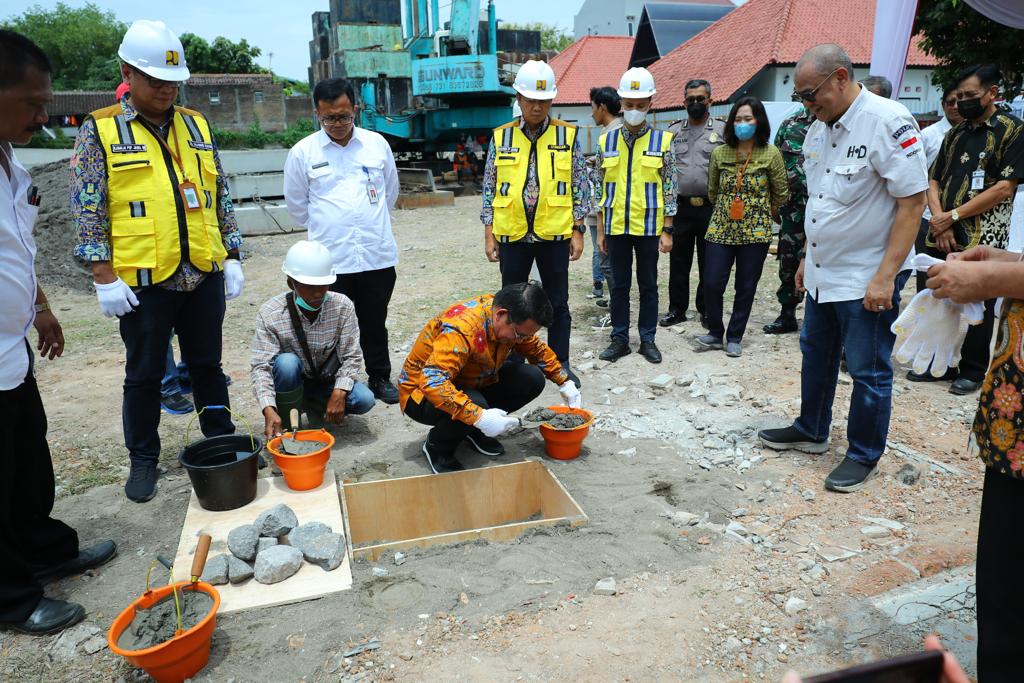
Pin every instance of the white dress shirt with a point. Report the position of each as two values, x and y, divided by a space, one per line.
327 187
932 137
17 271
856 169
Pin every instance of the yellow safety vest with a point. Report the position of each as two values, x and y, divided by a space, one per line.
150 230
553 217
633 202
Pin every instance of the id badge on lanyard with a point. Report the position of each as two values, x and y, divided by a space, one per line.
371 189
190 196
978 176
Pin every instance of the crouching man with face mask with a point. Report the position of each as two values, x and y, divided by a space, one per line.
305 353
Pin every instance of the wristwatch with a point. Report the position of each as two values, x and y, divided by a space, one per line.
581 228
668 229
955 215
45 306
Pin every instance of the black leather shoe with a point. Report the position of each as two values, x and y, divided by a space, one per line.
962 386
384 390
89 558
440 460
616 350
485 445
782 325
850 476
602 303
949 376
141 484
649 350
49 616
673 318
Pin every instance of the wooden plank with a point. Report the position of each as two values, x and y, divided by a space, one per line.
320 504
556 500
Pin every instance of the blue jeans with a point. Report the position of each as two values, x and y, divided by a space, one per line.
718 262
288 377
620 253
830 329
600 268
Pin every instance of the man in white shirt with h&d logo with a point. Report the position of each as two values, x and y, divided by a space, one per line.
866 184
341 183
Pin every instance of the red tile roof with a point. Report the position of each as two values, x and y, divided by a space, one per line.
766 32
592 61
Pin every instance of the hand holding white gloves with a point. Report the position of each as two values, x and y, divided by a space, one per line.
495 422
233 278
571 395
116 298
930 332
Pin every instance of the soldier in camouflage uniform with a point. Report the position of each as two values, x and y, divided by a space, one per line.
790 141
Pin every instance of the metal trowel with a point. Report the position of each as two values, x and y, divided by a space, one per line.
289 444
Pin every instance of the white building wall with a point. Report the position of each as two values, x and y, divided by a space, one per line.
607 18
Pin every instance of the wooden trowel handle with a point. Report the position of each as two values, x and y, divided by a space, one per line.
199 559
293 416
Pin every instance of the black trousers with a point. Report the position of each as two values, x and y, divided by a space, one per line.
370 292
1000 556
29 538
975 356
719 258
197 317
552 258
518 384
921 247
691 224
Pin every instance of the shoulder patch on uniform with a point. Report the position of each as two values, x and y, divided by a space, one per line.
900 131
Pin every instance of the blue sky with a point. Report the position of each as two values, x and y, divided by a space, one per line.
281 28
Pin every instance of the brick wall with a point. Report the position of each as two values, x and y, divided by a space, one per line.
237 107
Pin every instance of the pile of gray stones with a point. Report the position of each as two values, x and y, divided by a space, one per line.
272 549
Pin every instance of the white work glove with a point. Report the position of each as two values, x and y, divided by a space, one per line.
931 331
233 278
495 422
116 298
571 395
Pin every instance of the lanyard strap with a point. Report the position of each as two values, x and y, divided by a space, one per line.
163 143
743 171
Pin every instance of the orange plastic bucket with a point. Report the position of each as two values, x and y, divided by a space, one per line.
303 472
179 658
565 444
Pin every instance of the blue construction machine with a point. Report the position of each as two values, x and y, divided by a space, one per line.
423 83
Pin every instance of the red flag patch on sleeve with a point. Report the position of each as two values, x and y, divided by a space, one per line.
908 143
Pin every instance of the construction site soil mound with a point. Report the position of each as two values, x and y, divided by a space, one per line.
54 231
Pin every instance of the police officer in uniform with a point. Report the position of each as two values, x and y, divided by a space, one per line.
156 223
535 199
790 141
694 138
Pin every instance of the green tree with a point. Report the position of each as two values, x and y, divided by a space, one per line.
551 37
958 36
222 56
81 42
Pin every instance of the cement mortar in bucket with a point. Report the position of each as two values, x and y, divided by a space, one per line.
223 469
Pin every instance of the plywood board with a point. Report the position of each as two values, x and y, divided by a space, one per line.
318 505
494 503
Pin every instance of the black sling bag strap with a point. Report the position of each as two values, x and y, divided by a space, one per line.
293 310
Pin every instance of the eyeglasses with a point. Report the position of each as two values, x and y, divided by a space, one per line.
336 120
812 94
157 83
520 336
696 99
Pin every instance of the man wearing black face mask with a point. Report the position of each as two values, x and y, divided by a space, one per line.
971 192
694 139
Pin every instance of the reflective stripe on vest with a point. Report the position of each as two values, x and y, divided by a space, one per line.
633 200
553 217
150 231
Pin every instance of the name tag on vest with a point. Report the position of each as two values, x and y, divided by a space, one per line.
320 165
127 148
653 154
508 150
559 148
205 146
611 153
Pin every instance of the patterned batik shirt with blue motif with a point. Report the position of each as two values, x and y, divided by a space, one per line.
89 204
531 191
668 172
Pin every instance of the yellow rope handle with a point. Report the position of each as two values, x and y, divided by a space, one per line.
245 422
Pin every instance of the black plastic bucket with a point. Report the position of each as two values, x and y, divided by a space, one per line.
223 470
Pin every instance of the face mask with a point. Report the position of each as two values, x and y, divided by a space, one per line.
696 110
634 117
744 131
301 303
970 109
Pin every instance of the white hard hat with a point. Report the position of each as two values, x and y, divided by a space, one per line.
637 83
310 263
155 50
536 80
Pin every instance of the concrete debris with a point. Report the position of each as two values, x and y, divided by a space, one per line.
277 521
890 524
629 452
739 512
605 587
93 644
908 475
216 571
242 542
400 559
835 554
326 551
875 531
380 572
618 390
238 571
795 605
807 494
277 563
662 381
680 518
732 644
65 647
737 528
301 536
